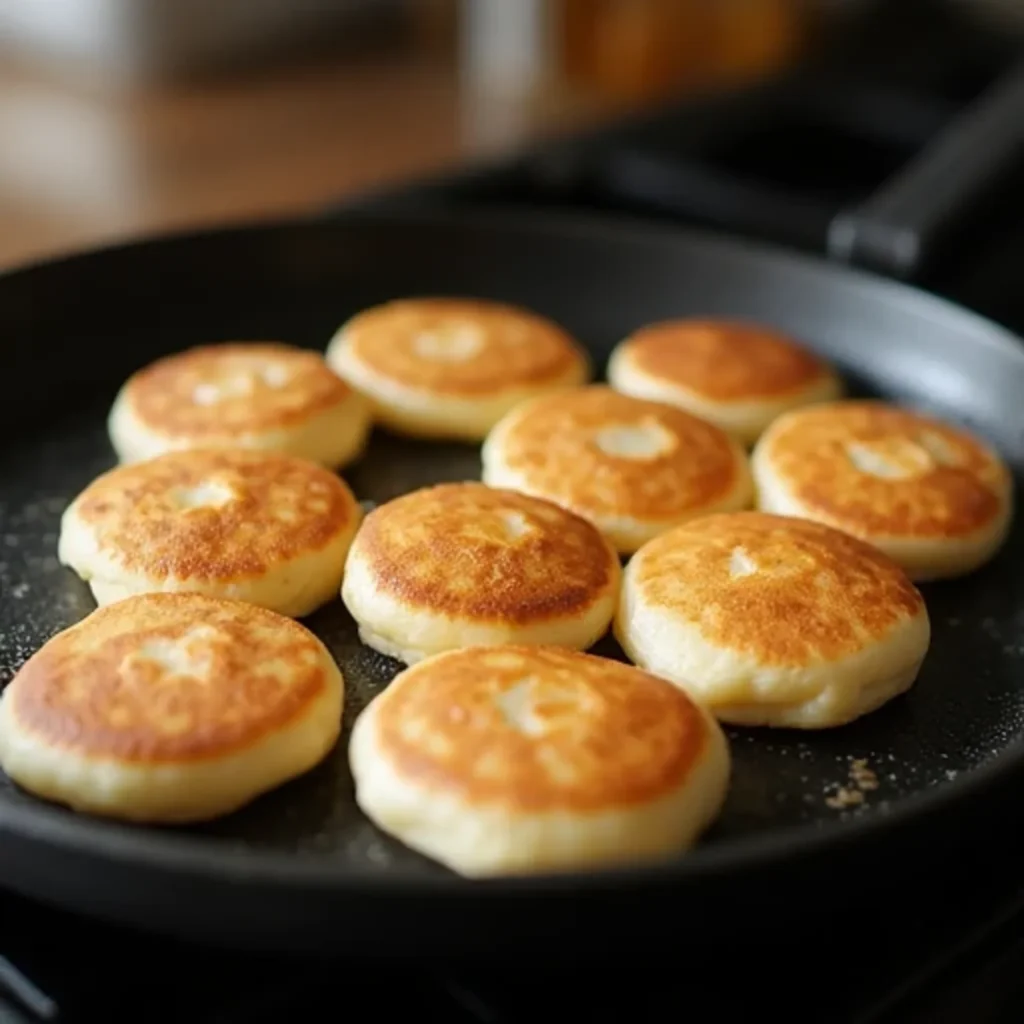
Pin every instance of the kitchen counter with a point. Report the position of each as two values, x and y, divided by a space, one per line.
82 165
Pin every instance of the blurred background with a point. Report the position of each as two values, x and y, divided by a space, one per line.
119 117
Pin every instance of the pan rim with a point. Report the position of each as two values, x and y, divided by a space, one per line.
186 854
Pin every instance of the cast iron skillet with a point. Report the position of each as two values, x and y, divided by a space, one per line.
301 868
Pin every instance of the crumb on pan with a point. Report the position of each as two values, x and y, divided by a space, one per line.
862 779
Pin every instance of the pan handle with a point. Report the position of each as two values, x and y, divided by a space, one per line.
897 230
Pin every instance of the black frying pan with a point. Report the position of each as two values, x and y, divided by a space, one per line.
302 868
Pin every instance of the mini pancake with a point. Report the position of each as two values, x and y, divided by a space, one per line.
269 529
261 395
463 564
451 368
170 708
739 376
519 760
933 497
769 620
633 468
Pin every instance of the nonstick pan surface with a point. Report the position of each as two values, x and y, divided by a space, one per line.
301 867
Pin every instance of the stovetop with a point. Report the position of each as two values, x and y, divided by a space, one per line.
776 162
943 953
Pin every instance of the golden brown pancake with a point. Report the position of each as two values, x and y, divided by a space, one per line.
451 368
167 678
929 494
725 360
460 563
461 346
170 708
518 758
258 395
782 590
632 467
467 549
228 522
773 620
642 735
216 514
739 376
239 387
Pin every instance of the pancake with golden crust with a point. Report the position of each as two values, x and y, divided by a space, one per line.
511 759
633 468
255 526
258 395
737 375
771 620
451 368
930 495
463 564
170 708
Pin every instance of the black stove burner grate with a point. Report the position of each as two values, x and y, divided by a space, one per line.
900 961
20 997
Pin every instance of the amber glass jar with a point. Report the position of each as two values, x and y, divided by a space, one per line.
642 49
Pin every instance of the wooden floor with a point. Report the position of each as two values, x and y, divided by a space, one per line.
82 165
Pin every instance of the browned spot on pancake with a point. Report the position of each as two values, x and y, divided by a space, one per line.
952 486
165 678
539 729
785 591
489 347
262 386
554 443
266 509
727 361
470 550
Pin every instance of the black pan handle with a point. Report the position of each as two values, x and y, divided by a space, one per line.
897 230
